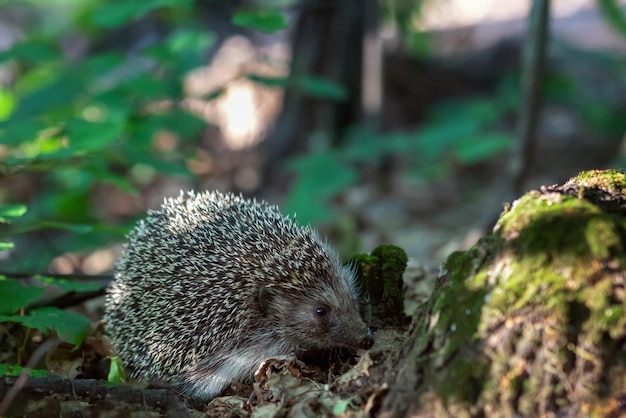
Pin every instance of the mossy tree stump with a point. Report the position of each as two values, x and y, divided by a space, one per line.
532 320
381 286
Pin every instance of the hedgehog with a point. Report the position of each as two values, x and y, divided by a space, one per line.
212 284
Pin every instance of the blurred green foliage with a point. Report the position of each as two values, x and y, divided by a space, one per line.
614 15
431 152
267 21
403 16
75 123
14 297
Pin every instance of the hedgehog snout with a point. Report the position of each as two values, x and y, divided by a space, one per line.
354 334
368 341
363 339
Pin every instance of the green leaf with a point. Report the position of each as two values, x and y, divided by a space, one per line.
6 245
14 370
481 111
321 88
365 145
143 156
419 43
482 147
115 14
10 212
14 296
7 104
93 136
320 176
16 132
326 173
307 209
72 205
182 51
38 372
267 21
342 406
614 15
48 161
70 285
122 182
69 326
144 87
186 40
437 138
558 87
76 228
33 50
280 82
116 371
186 125
56 97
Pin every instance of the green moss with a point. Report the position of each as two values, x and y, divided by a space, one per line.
602 235
457 312
392 258
458 306
392 265
459 264
552 239
533 303
382 289
615 179
364 259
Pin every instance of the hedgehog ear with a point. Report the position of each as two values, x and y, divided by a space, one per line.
267 299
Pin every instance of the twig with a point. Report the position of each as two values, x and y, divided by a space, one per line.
533 63
66 300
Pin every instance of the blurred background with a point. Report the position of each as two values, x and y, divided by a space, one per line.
390 121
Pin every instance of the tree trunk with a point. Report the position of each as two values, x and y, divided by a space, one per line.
327 43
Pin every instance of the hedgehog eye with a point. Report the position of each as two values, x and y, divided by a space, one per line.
320 311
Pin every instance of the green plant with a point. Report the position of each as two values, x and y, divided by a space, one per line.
73 126
457 132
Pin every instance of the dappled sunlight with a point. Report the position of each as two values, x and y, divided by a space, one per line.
244 110
240 115
454 13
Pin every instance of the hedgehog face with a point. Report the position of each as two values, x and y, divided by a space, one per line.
324 319
321 325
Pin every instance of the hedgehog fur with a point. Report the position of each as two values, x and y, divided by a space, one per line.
212 284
